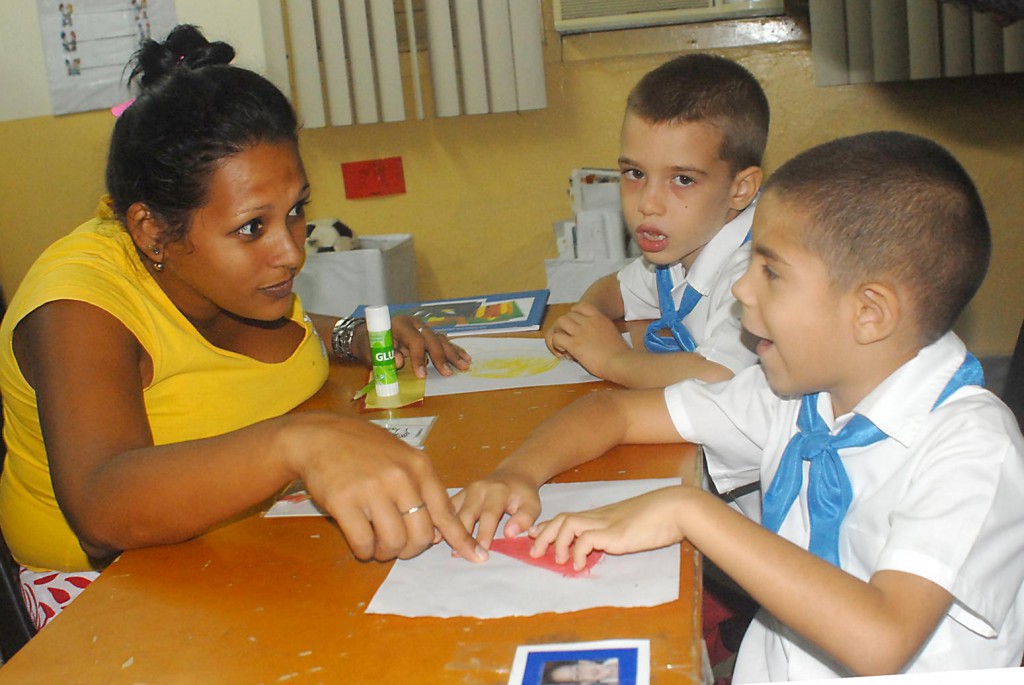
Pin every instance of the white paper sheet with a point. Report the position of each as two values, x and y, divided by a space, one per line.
502 363
435 584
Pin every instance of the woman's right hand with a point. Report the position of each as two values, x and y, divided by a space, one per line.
484 503
416 342
384 494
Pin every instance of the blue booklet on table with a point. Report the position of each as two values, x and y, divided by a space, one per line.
499 313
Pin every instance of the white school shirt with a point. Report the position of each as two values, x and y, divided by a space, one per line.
943 499
714 322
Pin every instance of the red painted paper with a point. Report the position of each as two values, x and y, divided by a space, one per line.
519 548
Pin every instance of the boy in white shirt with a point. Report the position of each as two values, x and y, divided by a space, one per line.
691 145
893 536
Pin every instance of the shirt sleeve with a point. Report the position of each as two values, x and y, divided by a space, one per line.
730 419
960 523
93 280
639 291
724 340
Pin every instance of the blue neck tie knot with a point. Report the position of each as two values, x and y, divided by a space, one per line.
829 493
814 444
671 318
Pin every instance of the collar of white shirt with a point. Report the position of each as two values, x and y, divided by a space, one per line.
900 404
715 255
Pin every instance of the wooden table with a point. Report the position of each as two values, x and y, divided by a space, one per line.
282 600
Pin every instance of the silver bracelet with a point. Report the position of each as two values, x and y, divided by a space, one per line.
341 337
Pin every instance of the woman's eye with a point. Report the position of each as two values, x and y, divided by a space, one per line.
252 228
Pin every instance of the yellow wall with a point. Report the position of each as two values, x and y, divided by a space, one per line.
483 190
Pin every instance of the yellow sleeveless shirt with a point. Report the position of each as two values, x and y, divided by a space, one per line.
198 390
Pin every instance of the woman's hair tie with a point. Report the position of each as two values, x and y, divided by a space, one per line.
118 110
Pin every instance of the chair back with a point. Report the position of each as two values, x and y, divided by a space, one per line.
1013 391
16 627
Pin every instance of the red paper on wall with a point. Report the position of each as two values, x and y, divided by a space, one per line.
373 178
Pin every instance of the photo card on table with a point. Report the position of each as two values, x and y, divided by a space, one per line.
622 662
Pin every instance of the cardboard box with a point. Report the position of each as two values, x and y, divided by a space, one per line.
381 271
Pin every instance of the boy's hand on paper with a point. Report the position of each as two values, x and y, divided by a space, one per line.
589 337
384 495
417 342
483 504
642 523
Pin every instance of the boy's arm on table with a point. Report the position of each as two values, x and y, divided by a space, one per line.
119 491
870 627
583 431
413 340
603 296
638 368
593 340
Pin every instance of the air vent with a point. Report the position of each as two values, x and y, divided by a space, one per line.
580 16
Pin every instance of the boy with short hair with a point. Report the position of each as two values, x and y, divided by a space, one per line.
692 140
893 536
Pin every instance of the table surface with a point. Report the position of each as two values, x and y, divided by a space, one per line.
282 600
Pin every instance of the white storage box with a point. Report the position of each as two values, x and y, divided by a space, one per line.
381 271
568 279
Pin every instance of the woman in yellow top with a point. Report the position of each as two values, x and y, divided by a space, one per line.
149 359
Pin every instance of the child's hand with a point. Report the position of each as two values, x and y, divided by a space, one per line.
588 336
549 340
484 502
416 341
645 522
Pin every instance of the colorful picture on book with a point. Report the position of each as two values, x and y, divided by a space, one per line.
495 313
467 313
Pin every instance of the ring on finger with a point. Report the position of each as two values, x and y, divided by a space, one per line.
413 510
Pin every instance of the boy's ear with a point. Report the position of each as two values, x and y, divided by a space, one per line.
878 308
145 230
745 185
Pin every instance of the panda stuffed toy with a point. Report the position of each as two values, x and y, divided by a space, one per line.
329 235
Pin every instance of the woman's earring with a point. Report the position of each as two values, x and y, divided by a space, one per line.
159 266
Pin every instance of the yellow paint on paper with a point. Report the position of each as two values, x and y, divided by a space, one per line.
511 367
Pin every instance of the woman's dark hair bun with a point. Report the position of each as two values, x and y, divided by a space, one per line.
185 46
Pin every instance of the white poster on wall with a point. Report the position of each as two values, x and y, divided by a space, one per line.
87 45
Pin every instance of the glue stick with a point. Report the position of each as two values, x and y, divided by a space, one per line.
382 350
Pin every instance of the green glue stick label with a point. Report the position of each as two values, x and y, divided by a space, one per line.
382 350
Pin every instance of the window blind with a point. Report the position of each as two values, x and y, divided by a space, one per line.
858 41
341 60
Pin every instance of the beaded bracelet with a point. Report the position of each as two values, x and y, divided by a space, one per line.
341 337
